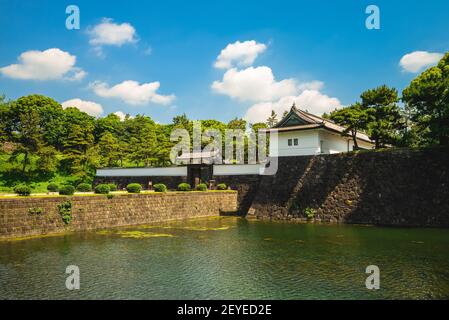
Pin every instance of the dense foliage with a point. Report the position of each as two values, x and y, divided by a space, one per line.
102 188
133 188
84 187
184 187
201 187
160 187
378 114
41 140
22 190
222 186
67 190
52 187
427 102
65 210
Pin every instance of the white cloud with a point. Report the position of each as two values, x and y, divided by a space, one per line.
311 100
109 33
239 53
50 64
312 85
89 107
418 60
132 92
76 74
254 84
122 115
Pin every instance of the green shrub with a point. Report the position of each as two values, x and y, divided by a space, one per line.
184 187
112 187
222 186
65 210
67 190
102 188
201 187
22 190
109 196
35 210
52 187
309 213
84 187
160 187
133 188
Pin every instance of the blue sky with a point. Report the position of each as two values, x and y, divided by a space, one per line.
317 53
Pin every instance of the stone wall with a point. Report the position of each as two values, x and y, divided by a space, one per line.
395 187
96 212
245 185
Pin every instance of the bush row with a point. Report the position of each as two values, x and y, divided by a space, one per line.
105 188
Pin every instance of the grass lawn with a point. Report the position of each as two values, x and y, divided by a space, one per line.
10 176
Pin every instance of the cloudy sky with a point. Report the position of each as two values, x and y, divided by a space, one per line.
215 59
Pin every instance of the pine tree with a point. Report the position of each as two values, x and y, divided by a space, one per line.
272 119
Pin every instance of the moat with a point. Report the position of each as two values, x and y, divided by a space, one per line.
230 258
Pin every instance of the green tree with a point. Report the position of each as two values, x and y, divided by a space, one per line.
26 132
76 146
51 120
141 132
111 123
353 118
428 98
109 149
259 144
47 162
384 116
4 119
163 145
237 123
182 121
272 119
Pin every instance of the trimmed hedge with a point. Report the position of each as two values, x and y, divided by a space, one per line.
133 188
201 187
52 187
102 188
184 187
67 190
84 187
22 190
112 187
222 186
160 187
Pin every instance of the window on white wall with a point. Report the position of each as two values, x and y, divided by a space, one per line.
289 142
295 141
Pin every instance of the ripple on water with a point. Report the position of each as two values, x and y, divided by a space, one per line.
230 258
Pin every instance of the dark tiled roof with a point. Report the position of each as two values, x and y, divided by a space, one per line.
311 121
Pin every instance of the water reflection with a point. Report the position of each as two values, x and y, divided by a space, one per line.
230 258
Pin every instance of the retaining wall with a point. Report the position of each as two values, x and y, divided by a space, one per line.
96 212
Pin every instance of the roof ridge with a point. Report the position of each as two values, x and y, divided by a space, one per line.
314 115
303 114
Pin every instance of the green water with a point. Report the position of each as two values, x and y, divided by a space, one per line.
230 258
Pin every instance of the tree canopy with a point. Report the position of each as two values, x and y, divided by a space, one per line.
427 96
